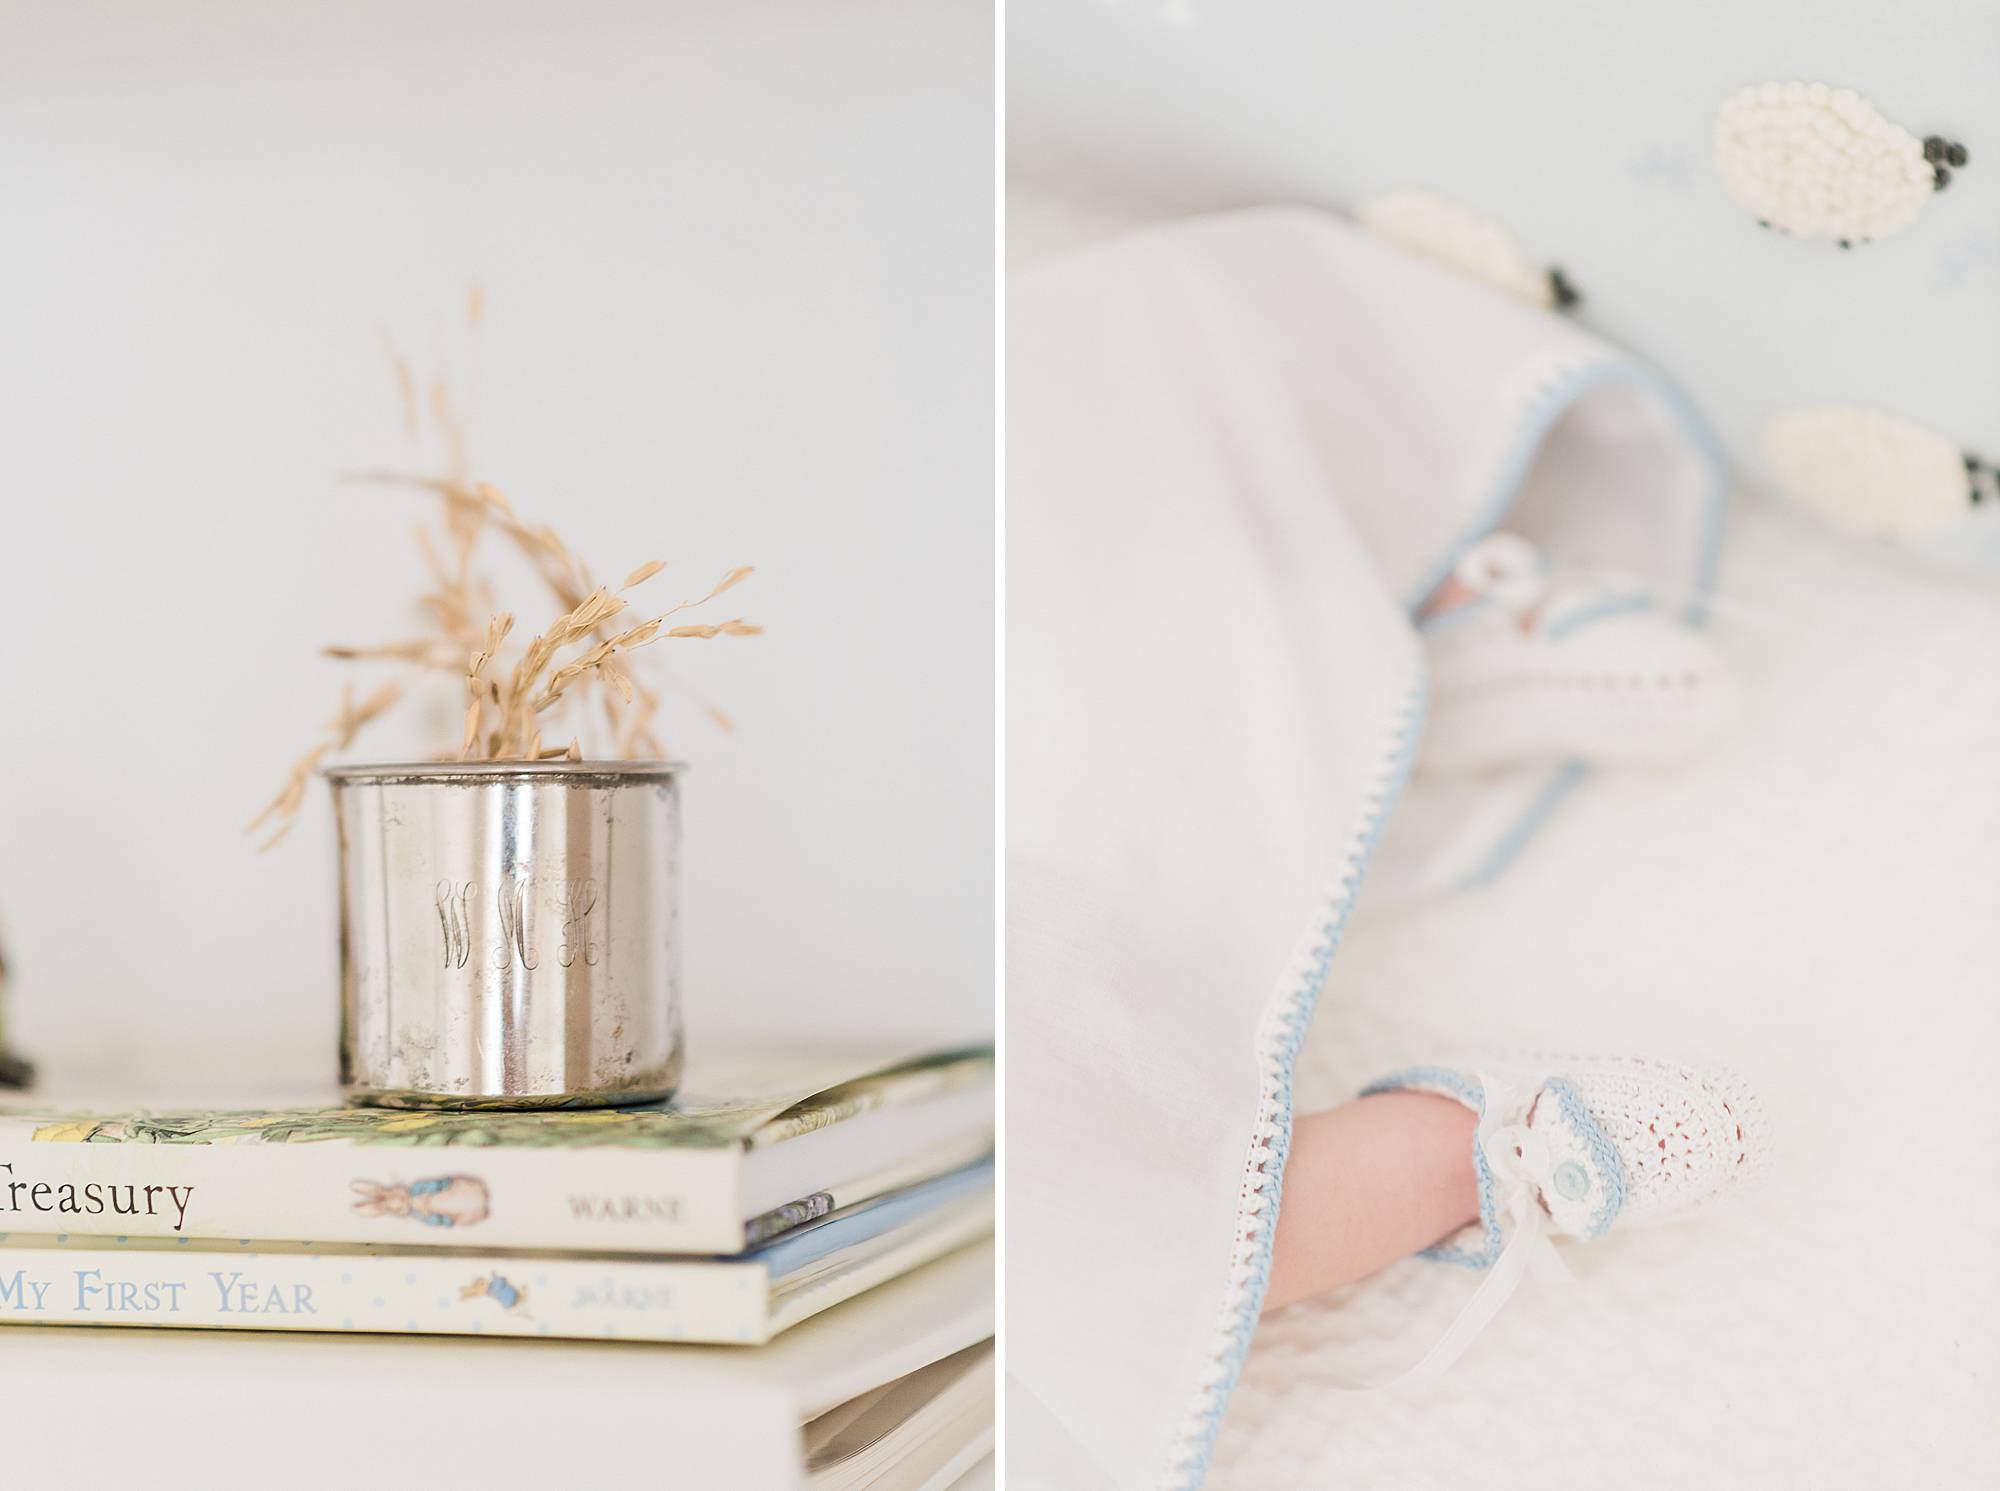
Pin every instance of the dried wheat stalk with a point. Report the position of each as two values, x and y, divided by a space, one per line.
509 694
340 731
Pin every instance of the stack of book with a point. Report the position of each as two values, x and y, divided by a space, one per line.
760 1197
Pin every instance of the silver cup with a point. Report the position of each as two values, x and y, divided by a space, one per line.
508 933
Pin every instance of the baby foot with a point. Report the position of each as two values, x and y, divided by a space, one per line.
1528 665
1592 1142
1571 1146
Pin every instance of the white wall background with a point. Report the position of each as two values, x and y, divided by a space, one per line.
737 261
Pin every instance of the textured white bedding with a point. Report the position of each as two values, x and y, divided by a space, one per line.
1817 902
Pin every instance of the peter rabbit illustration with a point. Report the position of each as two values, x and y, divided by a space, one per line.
506 1295
441 1201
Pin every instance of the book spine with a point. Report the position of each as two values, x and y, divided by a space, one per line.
423 1294
248 1287
940 1161
650 1201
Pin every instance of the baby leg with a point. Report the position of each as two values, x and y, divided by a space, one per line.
1368 1183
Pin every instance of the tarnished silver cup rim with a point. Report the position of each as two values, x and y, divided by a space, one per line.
459 773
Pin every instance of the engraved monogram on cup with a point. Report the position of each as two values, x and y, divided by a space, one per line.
452 899
579 899
516 901
520 903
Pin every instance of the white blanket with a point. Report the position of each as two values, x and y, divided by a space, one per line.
1239 451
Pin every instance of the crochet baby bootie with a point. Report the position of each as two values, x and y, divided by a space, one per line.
1529 665
1574 1145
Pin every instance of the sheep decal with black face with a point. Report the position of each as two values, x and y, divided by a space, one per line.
1875 474
1451 234
1823 162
